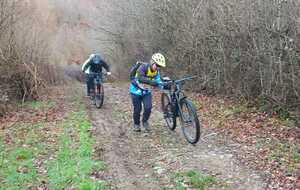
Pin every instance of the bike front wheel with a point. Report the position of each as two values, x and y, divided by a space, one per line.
169 116
99 97
189 121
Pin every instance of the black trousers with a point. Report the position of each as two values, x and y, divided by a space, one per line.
138 101
88 83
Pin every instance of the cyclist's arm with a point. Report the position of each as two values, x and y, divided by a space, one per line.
85 65
158 78
106 66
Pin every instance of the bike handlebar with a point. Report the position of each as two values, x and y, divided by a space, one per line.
94 73
182 79
185 78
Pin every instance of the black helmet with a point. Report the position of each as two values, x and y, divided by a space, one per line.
96 59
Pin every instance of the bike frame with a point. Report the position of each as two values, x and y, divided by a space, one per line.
178 94
175 107
98 80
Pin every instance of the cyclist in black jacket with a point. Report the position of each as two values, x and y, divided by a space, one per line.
94 65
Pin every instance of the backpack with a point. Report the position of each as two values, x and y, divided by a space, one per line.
133 70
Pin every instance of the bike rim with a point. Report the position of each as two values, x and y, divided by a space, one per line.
99 97
188 121
167 111
168 115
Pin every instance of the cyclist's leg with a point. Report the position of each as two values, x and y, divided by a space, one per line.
91 87
87 84
147 103
137 108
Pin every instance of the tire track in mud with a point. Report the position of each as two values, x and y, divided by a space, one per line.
118 147
150 161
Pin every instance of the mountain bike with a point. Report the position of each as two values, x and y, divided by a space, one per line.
176 105
97 92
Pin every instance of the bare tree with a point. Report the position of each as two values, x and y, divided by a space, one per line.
24 52
245 48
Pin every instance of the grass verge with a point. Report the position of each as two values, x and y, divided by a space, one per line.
73 163
19 149
50 154
193 179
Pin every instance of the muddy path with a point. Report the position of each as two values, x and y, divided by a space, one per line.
150 161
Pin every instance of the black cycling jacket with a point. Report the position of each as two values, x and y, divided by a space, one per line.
97 68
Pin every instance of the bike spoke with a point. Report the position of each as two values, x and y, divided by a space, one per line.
167 111
190 124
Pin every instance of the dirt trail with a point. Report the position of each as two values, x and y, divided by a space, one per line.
150 161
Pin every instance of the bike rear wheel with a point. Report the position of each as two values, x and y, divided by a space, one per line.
99 97
189 121
169 116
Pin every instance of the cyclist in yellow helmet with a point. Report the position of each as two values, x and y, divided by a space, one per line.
146 73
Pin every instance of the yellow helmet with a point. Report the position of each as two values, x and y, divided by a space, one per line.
159 59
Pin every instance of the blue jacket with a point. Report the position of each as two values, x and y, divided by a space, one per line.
144 75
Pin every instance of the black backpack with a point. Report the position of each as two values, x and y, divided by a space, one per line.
133 70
